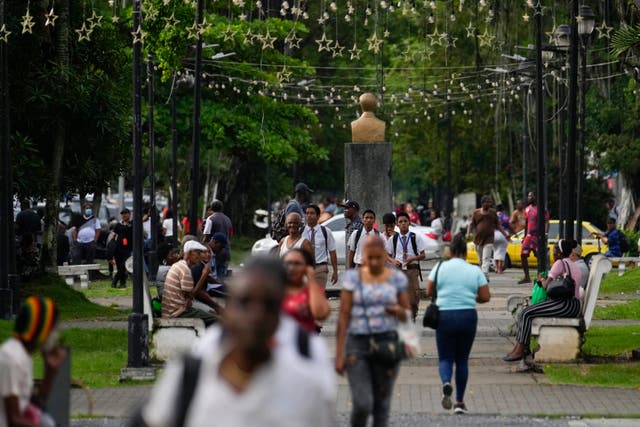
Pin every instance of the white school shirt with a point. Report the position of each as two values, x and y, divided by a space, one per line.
87 234
320 249
16 376
399 251
357 256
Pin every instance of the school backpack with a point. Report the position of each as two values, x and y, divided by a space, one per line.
624 242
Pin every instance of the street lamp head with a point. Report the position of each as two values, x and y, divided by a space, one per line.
562 36
588 22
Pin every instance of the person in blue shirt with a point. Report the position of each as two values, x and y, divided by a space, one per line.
612 238
458 286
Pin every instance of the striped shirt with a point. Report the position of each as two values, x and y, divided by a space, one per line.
177 286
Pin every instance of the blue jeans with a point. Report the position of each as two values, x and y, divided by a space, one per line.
454 337
371 383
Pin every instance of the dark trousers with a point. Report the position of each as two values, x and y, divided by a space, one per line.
371 383
83 253
121 270
454 337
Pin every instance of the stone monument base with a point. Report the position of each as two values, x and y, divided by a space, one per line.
367 176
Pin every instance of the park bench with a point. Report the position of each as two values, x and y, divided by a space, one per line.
69 272
560 339
168 338
622 262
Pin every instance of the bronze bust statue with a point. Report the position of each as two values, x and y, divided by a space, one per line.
368 128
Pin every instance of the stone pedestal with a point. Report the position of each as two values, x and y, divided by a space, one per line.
367 176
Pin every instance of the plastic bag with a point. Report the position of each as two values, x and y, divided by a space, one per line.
539 294
409 338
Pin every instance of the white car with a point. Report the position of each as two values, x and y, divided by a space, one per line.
337 224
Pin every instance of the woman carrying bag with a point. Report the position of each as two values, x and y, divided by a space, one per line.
459 286
373 299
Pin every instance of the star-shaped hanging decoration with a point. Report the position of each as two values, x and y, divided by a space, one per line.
485 38
336 50
204 27
451 41
292 40
267 40
354 52
95 20
471 30
4 34
171 22
284 76
193 31
407 55
426 53
138 35
324 43
386 34
50 18
166 2
27 22
434 38
229 33
604 31
115 19
321 19
525 17
579 19
249 37
552 35
84 33
444 39
242 16
374 43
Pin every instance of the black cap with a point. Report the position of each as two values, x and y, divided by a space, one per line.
301 187
351 204
124 211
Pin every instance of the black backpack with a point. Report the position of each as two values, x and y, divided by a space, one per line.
278 228
624 242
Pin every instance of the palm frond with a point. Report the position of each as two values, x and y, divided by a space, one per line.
625 39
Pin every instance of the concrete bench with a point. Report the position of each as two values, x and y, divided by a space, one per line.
168 338
560 339
622 262
69 272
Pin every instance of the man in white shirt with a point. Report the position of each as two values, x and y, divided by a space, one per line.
389 222
356 241
406 250
85 237
324 246
245 377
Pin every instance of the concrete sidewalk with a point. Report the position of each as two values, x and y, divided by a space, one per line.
494 388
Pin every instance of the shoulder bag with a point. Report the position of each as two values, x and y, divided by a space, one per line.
384 348
562 287
432 313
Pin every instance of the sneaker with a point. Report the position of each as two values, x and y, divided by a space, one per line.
446 396
524 281
460 408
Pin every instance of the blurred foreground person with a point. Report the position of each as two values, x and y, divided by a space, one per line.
246 374
34 329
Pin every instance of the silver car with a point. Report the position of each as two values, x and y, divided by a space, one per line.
337 224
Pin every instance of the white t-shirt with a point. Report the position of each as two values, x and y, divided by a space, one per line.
168 225
87 234
16 375
321 250
398 254
283 392
146 228
357 256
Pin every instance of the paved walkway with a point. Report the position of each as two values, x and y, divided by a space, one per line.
494 386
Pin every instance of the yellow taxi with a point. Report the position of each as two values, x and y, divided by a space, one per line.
590 245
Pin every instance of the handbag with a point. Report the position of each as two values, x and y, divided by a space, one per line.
539 293
409 338
432 313
384 348
562 287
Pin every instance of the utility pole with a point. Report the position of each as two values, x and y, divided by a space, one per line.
174 159
153 211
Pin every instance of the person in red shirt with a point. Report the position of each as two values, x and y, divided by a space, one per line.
414 217
305 300
530 242
187 227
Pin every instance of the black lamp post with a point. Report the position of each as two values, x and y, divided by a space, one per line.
585 28
571 134
153 211
561 41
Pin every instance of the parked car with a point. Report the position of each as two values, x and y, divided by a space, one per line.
590 245
337 224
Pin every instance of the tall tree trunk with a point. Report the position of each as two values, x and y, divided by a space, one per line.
50 246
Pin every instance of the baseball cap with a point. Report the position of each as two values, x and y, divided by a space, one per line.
124 211
220 237
192 245
351 204
301 187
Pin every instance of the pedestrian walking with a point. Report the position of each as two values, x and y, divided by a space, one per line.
294 238
353 221
458 286
530 241
372 300
355 244
241 375
123 239
518 220
85 236
167 228
324 247
217 222
406 250
484 223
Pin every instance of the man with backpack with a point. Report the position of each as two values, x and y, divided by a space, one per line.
324 246
406 250
298 204
356 241
615 240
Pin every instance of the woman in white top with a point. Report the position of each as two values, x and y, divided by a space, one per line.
167 227
294 239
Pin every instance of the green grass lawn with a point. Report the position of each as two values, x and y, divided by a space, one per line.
102 288
628 283
241 248
97 355
611 341
628 310
602 375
